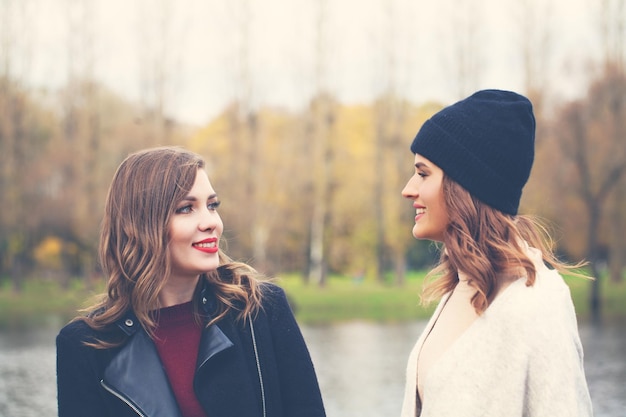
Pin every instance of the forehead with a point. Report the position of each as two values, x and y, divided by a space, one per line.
202 184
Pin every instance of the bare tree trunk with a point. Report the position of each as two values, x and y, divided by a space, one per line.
250 144
391 153
82 134
379 193
402 236
322 116
15 55
617 250
612 30
256 184
466 48
19 240
317 269
595 300
159 62
535 40
596 187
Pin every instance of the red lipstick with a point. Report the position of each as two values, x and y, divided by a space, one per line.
207 245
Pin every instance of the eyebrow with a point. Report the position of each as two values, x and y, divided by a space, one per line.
192 198
421 165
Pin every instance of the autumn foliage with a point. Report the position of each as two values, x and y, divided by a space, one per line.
275 168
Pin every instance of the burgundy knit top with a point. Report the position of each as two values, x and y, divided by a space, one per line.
177 339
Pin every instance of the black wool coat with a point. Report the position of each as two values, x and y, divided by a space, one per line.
229 380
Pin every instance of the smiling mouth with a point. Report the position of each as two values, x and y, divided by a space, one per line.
205 245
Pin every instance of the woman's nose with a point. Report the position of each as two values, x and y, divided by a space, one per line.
209 220
410 189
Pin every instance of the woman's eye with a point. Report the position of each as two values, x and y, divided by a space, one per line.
184 209
214 205
422 174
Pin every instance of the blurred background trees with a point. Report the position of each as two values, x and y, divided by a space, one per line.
314 189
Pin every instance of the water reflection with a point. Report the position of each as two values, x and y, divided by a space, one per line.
360 366
605 367
27 374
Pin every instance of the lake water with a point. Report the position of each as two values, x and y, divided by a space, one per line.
360 366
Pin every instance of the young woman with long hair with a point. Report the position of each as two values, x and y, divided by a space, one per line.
182 330
503 340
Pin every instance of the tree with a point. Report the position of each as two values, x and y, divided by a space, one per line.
590 134
612 27
321 119
320 125
81 133
466 58
535 41
159 35
16 137
392 137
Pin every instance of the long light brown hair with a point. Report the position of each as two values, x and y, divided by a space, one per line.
134 239
485 244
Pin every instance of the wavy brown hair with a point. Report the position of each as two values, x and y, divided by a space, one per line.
134 239
486 244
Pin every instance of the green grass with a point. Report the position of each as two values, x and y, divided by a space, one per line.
613 297
41 302
344 299
45 302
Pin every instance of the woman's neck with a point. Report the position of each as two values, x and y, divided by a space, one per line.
177 291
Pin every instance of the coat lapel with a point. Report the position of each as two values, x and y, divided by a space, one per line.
228 383
138 378
212 342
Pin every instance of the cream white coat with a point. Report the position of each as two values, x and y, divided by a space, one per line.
521 357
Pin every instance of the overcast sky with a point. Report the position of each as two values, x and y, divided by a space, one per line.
204 41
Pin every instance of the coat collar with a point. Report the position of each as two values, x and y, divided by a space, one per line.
136 375
129 324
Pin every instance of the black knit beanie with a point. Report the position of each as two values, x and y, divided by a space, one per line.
485 143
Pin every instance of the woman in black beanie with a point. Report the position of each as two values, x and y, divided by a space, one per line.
503 340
